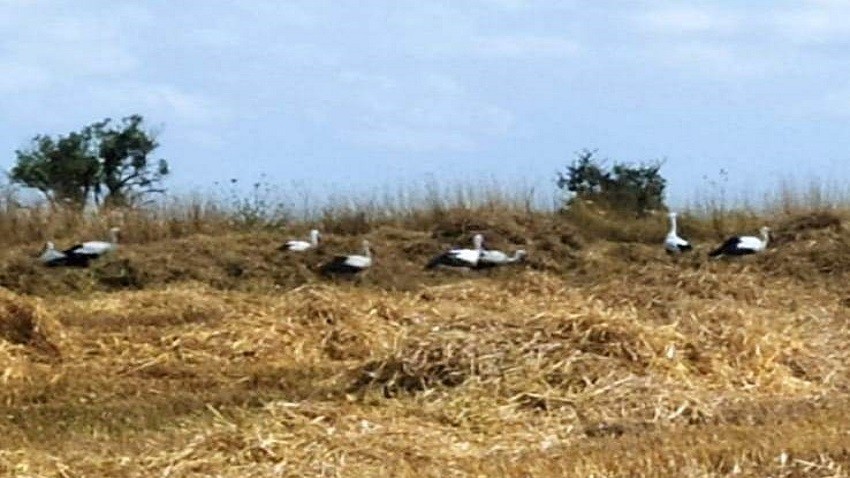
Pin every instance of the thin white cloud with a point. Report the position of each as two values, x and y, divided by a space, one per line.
208 37
40 50
433 112
716 42
407 138
705 59
689 20
17 78
816 22
162 100
834 104
526 47
509 5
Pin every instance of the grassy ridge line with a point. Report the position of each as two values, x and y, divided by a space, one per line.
263 207
582 244
412 206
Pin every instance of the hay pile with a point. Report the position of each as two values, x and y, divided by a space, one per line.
493 375
30 346
27 325
611 360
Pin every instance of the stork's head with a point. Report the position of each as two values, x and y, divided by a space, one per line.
478 241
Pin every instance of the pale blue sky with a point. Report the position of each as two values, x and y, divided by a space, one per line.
357 95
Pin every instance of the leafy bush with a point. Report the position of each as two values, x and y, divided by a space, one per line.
624 187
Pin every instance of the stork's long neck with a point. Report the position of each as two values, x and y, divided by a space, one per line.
314 239
672 225
765 237
113 234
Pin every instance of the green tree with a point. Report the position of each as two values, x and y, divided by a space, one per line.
127 171
108 162
624 187
64 169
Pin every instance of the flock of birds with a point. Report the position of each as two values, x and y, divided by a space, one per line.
80 255
476 258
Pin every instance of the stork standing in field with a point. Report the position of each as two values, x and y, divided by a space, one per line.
743 245
351 264
492 258
301 246
95 249
460 257
674 244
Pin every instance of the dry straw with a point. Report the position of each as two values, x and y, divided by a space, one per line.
220 356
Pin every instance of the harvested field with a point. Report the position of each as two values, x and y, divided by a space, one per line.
595 358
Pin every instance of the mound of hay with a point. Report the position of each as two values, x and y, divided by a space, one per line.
188 304
802 226
23 322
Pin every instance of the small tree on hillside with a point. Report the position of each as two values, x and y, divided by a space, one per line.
623 187
105 161
127 171
64 169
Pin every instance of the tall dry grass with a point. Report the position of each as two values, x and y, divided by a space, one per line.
264 206
414 206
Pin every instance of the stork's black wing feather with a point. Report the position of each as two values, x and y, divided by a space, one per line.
447 259
728 247
339 265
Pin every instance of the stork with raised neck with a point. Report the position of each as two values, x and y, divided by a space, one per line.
459 257
301 245
673 243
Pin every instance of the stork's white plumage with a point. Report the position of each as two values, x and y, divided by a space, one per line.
301 246
50 257
673 243
460 257
95 249
743 245
492 258
350 264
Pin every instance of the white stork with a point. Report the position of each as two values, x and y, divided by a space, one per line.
350 264
674 244
95 249
50 257
301 246
460 257
492 258
743 245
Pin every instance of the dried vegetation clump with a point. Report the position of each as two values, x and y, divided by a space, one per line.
23 322
223 356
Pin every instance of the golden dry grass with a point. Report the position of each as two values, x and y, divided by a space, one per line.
213 354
